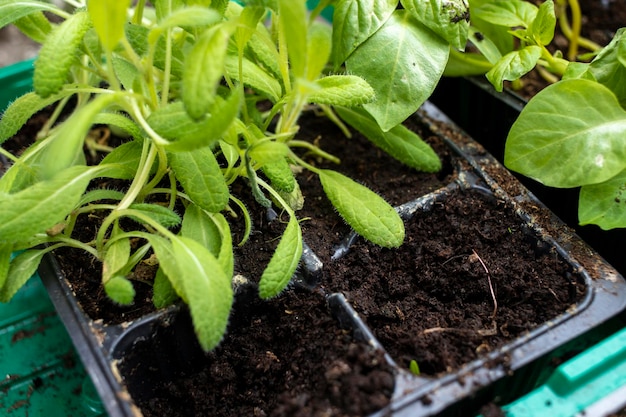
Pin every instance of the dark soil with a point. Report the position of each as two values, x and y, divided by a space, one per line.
286 357
431 300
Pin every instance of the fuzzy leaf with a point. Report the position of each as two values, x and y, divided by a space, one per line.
199 226
38 208
138 38
120 290
36 26
319 49
126 72
116 256
604 204
188 17
59 53
109 18
225 257
401 143
100 194
342 90
268 151
280 174
119 121
447 18
364 210
22 267
12 10
570 134
356 21
126 157
163 294
201 177
513 65
284 261
168 263
383 61
203 71
162 215
254 77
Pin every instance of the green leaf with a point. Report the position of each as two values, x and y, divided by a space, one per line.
208 290
356 21
225 257
168 262
36 26
59 53
364 210
513 65
22 109
570 134
262 49
319 49
38 208
162 215
280 174
109 18
284 261
6 250
201 177
399 142
120 290
126 72
342 90
100 194
268 151
138 38
164 8
509 13
199 226
447 18
248 19
22 267
292 17
254 77
203 71
604 204
119 121
116 256
126 157
163 294
608 69
403 62
542 27
12 10
188 17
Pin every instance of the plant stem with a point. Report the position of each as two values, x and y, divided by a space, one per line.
145 164
316 150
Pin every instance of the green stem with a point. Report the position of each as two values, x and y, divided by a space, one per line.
316 150
138 15
145 164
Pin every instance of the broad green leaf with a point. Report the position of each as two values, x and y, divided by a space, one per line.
59 53
509 13
208 290
318 50
163 294
126 72
364 210
263 50
116 256
621 49
38 208
119 121
399 142
604 204
201 178
6 250
203 71
22 267
168 263
466 64
199 226
284 261
403 62
542 27
188 17
126 157
292 18
280 174
36 26
513 65
109 18
486 46
173 123
342 90
12 10
356 21
162 215
447 18
268 151
570 134
120 290
609 70
255 77
22 109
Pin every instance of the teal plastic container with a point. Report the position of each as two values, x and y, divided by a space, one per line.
591 384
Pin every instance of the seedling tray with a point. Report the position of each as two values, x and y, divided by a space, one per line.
507 372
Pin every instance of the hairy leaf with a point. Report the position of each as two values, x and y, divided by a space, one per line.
318 50
126 157
36 26
119 121
199 226
116 256
292 18
255 77
12 10
163 294
342 90
22 267
162 215
120 290
188 17
268 151
280 174
364 210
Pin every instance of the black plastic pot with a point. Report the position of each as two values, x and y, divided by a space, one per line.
488 115
503 374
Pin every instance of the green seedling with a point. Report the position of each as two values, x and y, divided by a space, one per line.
414 367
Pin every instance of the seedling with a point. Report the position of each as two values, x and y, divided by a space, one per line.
185 80
414 367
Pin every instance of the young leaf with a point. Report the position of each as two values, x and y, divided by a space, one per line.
509 13
138 39
12 10
342 90
207 288
292 18
280 174
57 55
120 290
267 151
116 256
160 214
126 157
119 121
163 294
364 210
225 257
513 65
100 194
38 208
109 18
188 17
199 226
36 26
201 177
284 261
603 204
401 143
254 77
203 71
383 60
608 69
570 134
542 27
126 72
447 18
168 264
356 21
249 18
319 49
22 267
